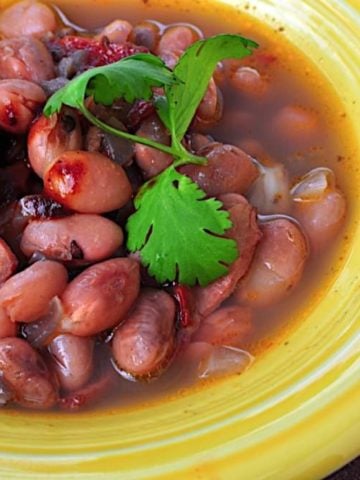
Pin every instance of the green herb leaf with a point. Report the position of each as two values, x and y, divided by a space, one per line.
195 69
176 230
130 78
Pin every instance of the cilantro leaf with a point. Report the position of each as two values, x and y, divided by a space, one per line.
176 229
195 69
130 78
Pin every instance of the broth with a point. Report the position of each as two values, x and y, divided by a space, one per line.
291 80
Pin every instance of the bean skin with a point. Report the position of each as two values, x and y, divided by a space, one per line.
82 237
278 264
227 326
249 82
117 31
25 58
176 39
87 182
26 296
27 18
73 360
146 34
210 109
27 375
19 101
8 261
7 327
229 170
100 297
143 345
49 137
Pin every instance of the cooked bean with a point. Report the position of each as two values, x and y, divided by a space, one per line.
295 124
117 31
247 234
249 82
19 101
49 137
210 109
229 170
176 39
26 373
152 161
25 58
100 297
146 34
229 326
7 327
86 237
8 261
277 266
87 182
143 345
73 359
26 296
320 206
27 18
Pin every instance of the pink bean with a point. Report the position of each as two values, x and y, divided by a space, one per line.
7 327
249 82
117 31
296 125
73 360
26 296
278 264
90 238
210 109
25 58
176 39
143 345
87 182
8 261
27 18
19 101
229 170
146 34
50 137
100 297
27 375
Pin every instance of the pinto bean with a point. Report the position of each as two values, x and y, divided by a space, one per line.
117 31
246 233
73 359
87 182
210 109
100 297
229 326
49 137
277 266
8 261
25 58
143 345
320 206
146 34
249 82
25 372
229 170
7 327
26 296
296 125
27 18
176 39
86 237
19 101
150 160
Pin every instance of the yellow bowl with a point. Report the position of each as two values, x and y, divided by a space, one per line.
295 414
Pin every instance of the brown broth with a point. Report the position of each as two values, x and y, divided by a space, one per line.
294 80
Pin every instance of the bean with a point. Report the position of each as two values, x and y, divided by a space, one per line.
229 326
152 161
8 261
19 102
27 18
229 170
49 137
143 345
73 360
25 58
146 34
320 206
210 109
278 264
249 82
7 327
90 238
296 125
26 296
246 233
117 31
100 297
87 182
25 372
176 39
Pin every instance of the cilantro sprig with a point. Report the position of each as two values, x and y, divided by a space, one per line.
177 230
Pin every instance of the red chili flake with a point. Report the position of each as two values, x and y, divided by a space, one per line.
184 297
138 113
100 53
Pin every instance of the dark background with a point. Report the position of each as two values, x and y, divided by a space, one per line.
350 472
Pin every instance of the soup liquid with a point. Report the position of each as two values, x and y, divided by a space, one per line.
293 80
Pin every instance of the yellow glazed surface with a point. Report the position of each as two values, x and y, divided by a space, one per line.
296 413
